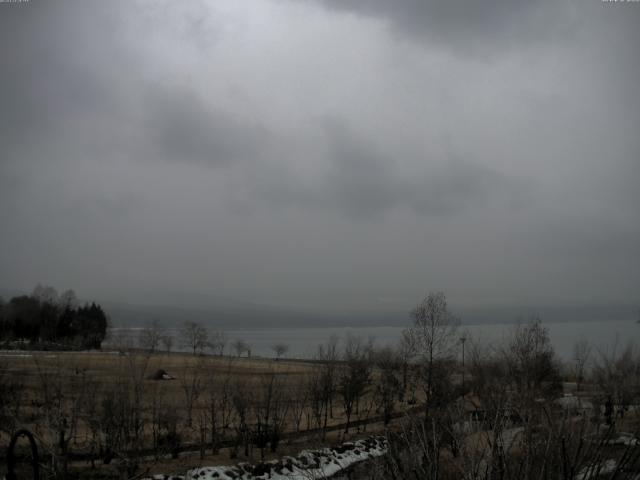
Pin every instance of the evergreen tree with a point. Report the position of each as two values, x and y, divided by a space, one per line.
43 317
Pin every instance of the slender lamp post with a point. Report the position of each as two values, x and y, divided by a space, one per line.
462 340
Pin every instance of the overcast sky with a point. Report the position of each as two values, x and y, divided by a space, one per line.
349 153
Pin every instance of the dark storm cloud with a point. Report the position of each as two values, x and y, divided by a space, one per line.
182 128
478 27
362 181
65 97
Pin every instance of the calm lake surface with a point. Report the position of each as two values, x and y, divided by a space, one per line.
303 342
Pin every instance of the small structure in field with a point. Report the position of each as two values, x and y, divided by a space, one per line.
160 374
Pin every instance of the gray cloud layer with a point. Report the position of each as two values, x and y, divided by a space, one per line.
351 154
360 181
479 28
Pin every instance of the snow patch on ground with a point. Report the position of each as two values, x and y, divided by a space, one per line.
571 402
309 464
607 467
624 438
509 436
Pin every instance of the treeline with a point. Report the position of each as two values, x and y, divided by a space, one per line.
48 320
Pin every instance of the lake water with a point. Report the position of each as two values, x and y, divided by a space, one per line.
303 342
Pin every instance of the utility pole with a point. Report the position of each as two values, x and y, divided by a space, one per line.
462 340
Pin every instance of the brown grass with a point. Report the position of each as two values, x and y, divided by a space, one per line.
96 373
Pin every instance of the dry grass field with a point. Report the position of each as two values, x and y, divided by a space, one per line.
95 407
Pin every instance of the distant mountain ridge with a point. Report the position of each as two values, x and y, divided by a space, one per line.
274 317
230 314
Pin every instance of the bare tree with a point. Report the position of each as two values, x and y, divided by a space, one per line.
269 411
240 401
487 444
167 342
218 342
387 383
280 349
317 398
489 376
530 358
68 299
353 375
434 332
150 336
121 414
157 407
581 356
12 394
192 385
618 375
406 352
120 339
194 336
63 390
219 404
45 294
239 346
299 403
90 414
326 379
